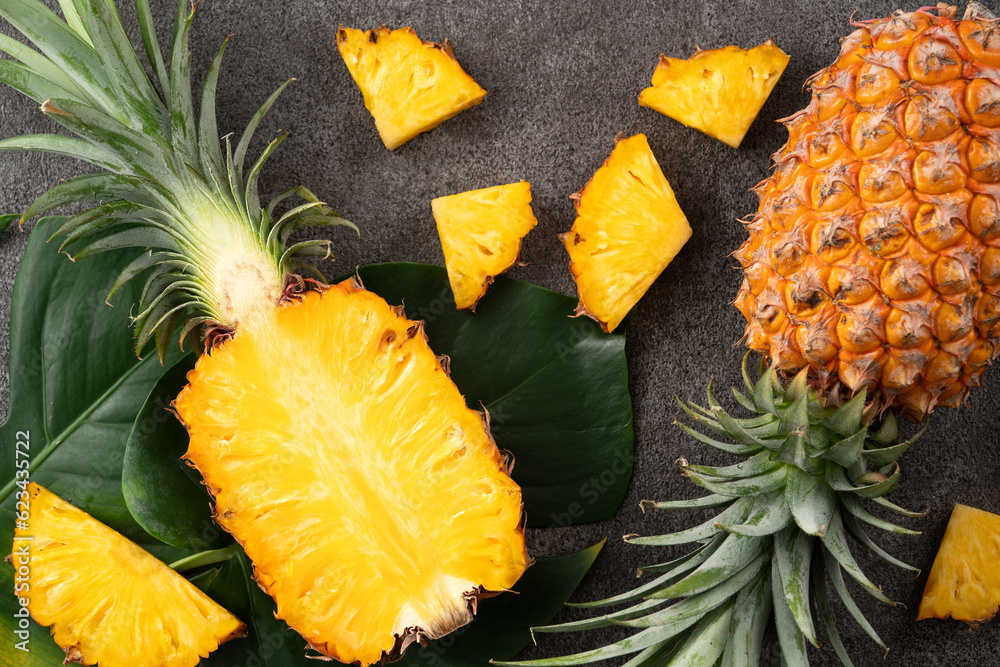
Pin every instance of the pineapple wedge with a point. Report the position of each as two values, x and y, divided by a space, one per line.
107 600
964 582
481 234
629 227
410 86
719 92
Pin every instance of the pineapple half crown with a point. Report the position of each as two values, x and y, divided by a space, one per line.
217 256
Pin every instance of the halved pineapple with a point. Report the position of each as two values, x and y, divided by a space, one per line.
720 91
629 227
964 582
481 234
107 600
374 504
410 86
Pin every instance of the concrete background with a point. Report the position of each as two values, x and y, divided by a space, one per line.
563 78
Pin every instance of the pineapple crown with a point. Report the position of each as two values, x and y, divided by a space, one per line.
212 252
763 563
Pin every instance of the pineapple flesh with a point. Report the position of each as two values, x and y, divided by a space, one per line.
629 227
108 601
964 582
481 234
373 503
409 86
874 257
719 91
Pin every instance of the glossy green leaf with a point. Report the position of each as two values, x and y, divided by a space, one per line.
75 386
556 388
5 221
501 627
163 493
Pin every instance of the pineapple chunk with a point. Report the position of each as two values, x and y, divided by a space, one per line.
719 92
107 600
629 227
410 86
481 234
964 582
373 502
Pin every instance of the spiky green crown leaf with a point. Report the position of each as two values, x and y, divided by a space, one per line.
165 185
788 515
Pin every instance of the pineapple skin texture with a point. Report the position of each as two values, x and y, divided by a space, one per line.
719 91
629 227
373 503
874 257
409 86
107 600
481 233
964 582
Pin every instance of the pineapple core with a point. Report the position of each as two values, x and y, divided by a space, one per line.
481 234
719 92
628 229
99 592
410 86
964 582
372 501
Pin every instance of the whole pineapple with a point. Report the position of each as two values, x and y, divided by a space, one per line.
874 257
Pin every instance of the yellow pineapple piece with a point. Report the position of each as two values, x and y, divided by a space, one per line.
481 234
373 502
719 92
410 86
964 582
107 600
629 227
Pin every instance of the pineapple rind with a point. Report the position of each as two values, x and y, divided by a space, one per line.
874 255
409 86
107 600
964 581
719 91
373 503
481 233
629 227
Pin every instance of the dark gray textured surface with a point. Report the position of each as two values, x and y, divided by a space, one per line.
563 78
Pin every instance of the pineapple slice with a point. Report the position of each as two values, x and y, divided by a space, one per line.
720 91
374 504
964 582
628 229
107 600
481 234
410 86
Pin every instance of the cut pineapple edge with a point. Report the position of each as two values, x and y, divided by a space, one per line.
410 86
373 502
99 591
719 91
481 233
964 582
629 227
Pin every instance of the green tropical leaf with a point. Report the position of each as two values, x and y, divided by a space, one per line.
556 388
165 495
75 387
5 221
